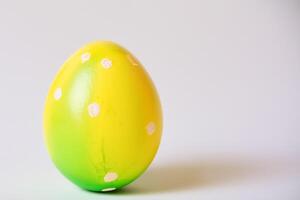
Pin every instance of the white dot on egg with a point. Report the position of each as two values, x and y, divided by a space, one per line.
132 60
94 110
110 176
85 57
57 93
108 189
106 63
150 128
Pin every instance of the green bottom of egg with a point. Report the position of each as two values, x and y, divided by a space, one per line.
102 118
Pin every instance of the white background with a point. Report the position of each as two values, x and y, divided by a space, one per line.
228 74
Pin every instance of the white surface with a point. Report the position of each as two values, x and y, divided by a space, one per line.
228 73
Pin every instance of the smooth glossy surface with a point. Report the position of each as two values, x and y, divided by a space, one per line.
102 118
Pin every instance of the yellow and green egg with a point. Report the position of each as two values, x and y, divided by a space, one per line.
102 118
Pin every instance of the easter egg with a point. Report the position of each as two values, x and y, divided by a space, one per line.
102 118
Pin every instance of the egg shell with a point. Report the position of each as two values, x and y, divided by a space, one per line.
102 118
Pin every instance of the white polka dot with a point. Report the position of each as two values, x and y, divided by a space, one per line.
106 63
110 176
108 189
132 60
94 109
57 93
85 57
150 128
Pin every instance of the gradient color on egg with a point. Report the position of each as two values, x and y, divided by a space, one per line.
102 118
